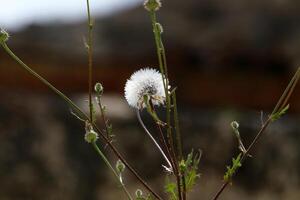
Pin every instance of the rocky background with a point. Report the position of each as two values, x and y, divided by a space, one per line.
230 60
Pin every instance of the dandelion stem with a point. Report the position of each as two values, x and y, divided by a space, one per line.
282 102
81 115
152 138
112 169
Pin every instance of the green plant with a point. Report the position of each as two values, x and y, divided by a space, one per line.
181 173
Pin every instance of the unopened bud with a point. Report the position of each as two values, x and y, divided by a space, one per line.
3 36
120 166
98 88
234 125
152 5
138 193
90 135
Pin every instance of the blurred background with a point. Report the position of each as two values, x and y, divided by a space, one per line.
230 60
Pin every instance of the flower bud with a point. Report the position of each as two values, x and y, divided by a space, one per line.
91 136
138 193
98 88
3 36
234 125
120 166
152 5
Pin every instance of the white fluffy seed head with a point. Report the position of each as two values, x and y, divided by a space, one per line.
145 81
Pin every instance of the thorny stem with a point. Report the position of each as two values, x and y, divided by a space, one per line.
282 102
81 115
152 138
112 169
89 47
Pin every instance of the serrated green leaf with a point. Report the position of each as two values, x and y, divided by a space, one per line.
236 163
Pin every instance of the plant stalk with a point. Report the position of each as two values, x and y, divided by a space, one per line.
81 115
282 102
112 169
152 138
89 46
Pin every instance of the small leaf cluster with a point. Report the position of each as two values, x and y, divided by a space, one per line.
171 189
189 172
236 163
189 168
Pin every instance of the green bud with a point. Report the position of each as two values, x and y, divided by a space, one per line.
234 125
98 88
152 5
138 193
120 166
91 136
3 36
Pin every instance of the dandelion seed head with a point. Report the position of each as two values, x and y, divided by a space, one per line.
145 81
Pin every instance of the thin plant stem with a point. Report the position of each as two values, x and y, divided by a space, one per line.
73 106
97 149
102 112
177 128
89 46
152 138
179 142
279 103
81 115
164 71
282 102
183 186
172 159
163 141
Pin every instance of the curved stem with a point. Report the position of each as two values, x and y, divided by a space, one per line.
152 138
112 169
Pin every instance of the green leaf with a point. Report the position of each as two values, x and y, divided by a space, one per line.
236 163
191 170
279 114
171 189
